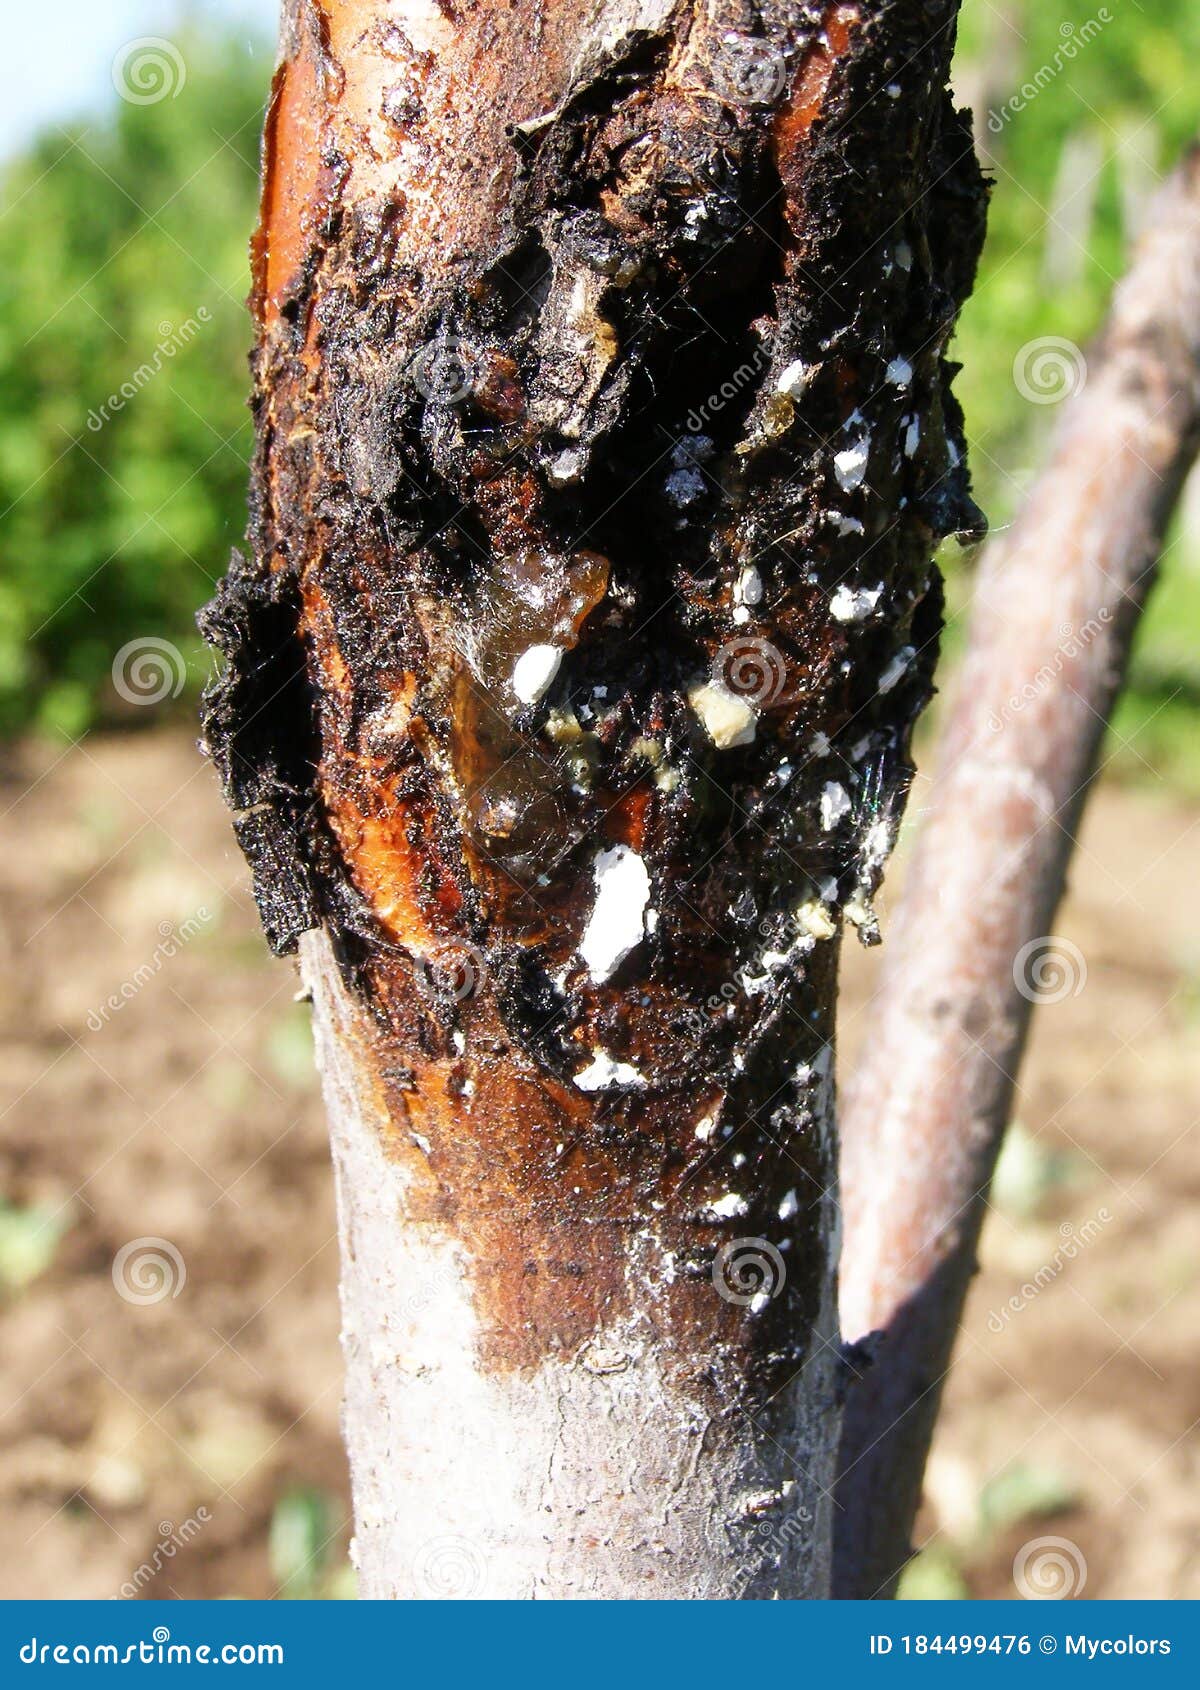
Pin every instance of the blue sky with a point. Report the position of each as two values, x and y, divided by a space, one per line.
59 53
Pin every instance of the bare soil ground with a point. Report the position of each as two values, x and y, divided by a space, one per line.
158 1086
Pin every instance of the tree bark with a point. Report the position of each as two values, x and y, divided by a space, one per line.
604 439
1056 605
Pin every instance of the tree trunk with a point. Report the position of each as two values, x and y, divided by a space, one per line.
972 951
604 439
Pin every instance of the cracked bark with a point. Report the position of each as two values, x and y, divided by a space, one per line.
605 436
1057 603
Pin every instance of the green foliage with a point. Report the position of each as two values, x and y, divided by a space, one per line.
1025 1491
933 1576
1074 169
289 1049
29 1240
303 1549
123 260
1029 1173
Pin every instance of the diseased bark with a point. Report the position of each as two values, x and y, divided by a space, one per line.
604 440
1057 602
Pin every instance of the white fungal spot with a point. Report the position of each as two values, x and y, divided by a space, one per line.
789 1206
706 1128
912 436
878 843
534 671
904 255
731 1207
893 90
896 668
853 604
899 372
567 467
617 921
846 524
835 803
683 486
727 719
813 918
602 1073
819 745
697 449
861 913
850 466
749 586
794 379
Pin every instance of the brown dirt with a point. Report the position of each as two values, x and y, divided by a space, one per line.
1089 1388
189 1113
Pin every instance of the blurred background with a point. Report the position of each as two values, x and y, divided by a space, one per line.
168 1316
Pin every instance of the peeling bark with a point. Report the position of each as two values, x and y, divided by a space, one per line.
605 436
1057 602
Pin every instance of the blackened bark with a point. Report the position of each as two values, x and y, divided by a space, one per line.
605 435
